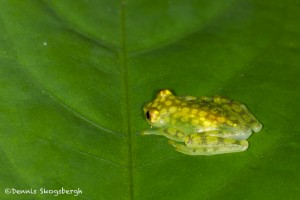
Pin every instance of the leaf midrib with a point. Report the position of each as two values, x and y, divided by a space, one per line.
125 97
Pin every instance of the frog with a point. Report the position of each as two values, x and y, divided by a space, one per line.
200 125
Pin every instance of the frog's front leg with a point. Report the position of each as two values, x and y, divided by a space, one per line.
171 133
204 144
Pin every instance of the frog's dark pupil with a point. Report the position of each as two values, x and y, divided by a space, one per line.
148 115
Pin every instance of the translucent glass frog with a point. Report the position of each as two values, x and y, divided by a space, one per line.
201 125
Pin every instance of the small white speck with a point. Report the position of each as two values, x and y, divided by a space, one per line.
4 51
45 43
43 91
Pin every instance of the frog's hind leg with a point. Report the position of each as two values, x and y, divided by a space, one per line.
184 149
256 126
201 144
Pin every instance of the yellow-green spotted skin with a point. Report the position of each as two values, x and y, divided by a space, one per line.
201 125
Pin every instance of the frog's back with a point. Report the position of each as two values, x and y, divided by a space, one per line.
215 112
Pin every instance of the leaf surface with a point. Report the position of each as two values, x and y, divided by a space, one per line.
74 76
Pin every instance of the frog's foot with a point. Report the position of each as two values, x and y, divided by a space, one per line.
146 132
209 145
152 131
256 126
188 150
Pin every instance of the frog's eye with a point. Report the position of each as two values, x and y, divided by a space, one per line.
152 115
148 115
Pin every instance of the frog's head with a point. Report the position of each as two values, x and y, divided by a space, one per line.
155 111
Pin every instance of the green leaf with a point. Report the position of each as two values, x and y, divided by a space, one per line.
74 76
